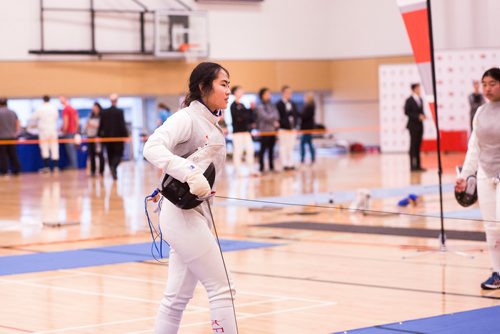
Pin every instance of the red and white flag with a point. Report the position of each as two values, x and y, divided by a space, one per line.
416 18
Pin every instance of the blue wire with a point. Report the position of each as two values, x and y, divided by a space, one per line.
156 232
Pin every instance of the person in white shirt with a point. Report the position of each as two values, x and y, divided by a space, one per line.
288 123
183 147
483 158
243 121
45 120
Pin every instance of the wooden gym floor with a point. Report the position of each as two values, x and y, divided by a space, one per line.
315 280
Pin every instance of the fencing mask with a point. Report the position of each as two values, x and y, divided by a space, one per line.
469 195
178 193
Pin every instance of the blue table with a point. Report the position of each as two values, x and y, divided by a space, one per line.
31 158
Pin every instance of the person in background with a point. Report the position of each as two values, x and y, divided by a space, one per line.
483 158
476 99
307 124
223 124
243 122
113 125
45 120
414 109
94 148
9 128
288 122
163 113
69 128
267 123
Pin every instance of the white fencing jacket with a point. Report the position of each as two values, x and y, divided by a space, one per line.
483 151
189 139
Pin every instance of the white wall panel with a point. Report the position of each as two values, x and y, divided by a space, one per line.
271 29
455 71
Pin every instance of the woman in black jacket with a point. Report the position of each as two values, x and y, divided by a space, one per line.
307 124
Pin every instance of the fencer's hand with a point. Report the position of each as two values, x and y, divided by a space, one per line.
460 184
198 185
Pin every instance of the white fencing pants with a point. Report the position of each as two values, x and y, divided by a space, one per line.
49 147
242 142
488 192
194 256
286 142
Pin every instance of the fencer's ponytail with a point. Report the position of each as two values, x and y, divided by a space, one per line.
200 81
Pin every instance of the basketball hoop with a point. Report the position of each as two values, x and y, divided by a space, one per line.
181 35
188 52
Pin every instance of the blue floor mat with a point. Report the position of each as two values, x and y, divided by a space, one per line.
481 321
21 264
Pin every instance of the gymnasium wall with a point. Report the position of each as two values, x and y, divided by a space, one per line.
95 78
267 30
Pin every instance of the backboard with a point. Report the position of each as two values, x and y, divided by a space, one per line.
181 34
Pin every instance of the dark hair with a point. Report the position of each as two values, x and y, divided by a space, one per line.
46 98
3 101
493 72
262 91
162 105
414 85
98 105
285 87
202 76
234 89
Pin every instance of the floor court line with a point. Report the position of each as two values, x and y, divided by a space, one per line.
293 309
241 315
82 292
45 278
110 323
316 255
285 297
255 315
16 329
118 277
195 309
249 316
369 285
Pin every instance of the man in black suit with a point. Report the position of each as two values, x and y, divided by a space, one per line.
414 109
112 125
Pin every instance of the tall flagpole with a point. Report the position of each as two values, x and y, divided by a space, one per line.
417 18
438 135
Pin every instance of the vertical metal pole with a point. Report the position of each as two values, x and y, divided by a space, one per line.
41 26
143 46
92 26
438 136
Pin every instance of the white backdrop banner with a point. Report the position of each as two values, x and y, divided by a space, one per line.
455 72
